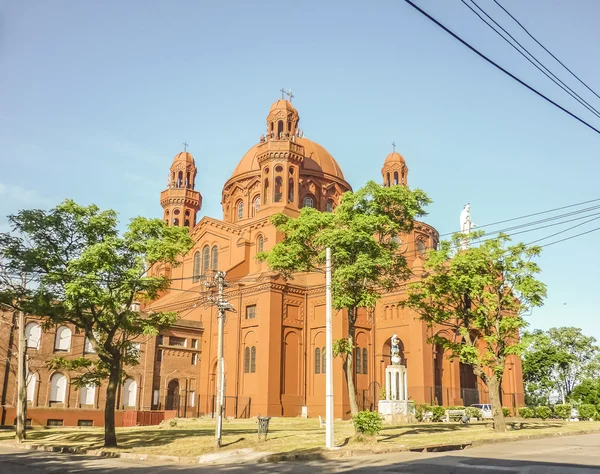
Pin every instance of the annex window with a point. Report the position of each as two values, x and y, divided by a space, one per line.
214 258
177 341
329 206
192 398
85 423
129 392
31 383
323 361
205 258
309 202
253 359
88 348
54 422
260 244
247 360
87 395
196 267
194 359
357 362
33 335
317 360
58 388
63 339
194 343
365 361
240 209
251 311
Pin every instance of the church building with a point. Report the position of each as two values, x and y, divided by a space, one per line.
274 340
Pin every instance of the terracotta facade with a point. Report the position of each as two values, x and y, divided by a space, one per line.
275 339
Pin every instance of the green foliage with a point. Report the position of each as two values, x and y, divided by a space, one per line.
341 347
563 410
558 359
506 411
481 294
367 423
473 412
526 412
588 391
544 412
587 411
88 275
382 393
420 411
439 413
456 407
361 234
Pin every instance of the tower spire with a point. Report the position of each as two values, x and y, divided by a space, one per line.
180 201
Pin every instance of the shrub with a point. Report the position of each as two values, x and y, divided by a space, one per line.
563 410
473 412
420 410
587 411
367 423
457 407
543 412
525 412
506 411
438 413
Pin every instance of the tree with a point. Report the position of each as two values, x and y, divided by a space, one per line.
88 275
477 297
559 359
361 233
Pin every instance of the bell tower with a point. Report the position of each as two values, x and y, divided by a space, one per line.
394 169
180 201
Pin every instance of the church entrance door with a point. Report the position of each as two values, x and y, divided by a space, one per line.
173 396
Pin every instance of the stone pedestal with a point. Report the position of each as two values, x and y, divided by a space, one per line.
396 408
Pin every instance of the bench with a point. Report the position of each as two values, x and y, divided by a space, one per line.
322 424
454 414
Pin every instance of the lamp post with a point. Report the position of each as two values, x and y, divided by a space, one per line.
329 441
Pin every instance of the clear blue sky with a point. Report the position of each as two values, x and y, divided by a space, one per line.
97 97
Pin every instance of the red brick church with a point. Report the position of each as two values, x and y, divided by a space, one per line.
275 339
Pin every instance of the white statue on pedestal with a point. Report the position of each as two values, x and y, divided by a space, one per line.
466 225
395 355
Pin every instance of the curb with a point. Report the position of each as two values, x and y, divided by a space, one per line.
261 458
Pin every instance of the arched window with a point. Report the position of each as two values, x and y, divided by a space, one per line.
180 179
329 206
421 247
324 363
278 189
205 258
247 360
87 395
240 209
176 222
33 335
309 202
129 392
279 129
317 360
58 387
388 180
260 244
196 267
253 360
357 361
63 339
365 361
214 258
291 185
31 381
88 348
255 205
395 177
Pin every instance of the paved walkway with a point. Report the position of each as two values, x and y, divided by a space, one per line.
564 455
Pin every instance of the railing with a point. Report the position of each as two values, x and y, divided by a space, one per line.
235 407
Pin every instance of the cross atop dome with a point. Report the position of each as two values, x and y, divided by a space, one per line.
289 94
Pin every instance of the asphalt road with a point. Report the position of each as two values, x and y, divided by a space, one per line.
565 455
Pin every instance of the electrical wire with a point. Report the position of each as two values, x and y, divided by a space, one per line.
496 65
539 65
546 49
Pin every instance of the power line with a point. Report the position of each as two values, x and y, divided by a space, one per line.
571 237
545 70
546 49
483 56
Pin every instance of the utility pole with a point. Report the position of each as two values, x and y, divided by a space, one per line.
222 306
329 441
21 386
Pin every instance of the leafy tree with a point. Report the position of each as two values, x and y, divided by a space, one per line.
479 294
362 236
88 275
558 359
588 392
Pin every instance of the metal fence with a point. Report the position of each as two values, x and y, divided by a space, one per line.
235 407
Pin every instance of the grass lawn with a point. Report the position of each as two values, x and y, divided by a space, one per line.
193 437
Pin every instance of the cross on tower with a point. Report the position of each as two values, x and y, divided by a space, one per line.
290 95
394 146
185 145
283 92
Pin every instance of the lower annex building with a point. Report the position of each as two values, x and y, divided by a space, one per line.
274 342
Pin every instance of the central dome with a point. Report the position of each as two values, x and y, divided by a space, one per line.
317 159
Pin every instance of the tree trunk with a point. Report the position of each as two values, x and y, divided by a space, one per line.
494 388
110 436
349 366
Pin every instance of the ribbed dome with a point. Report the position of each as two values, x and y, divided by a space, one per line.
317 159
185 157
395 157
282 104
